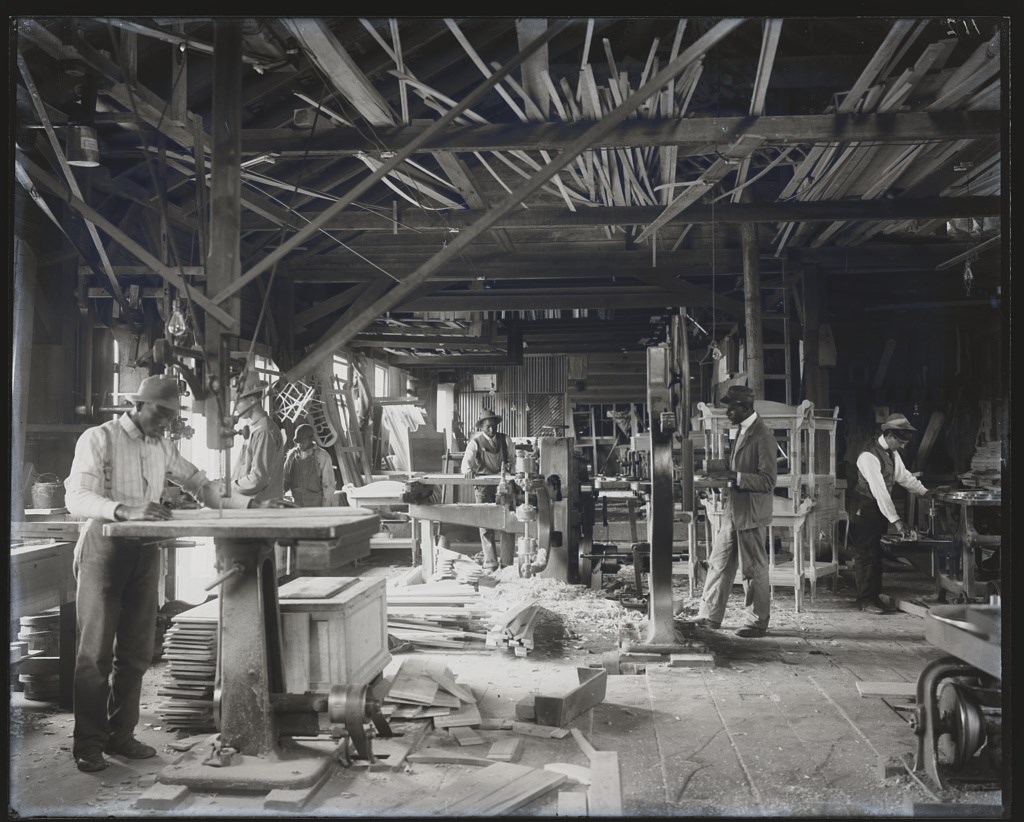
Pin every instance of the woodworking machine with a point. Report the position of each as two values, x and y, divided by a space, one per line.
958 717
256 718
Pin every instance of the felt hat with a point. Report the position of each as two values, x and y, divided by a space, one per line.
304 429
250 385
487 415
160 390
738 394
897 422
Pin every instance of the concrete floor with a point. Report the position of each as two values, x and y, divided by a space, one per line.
776 728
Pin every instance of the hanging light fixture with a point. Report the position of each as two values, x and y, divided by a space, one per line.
176 324
968 278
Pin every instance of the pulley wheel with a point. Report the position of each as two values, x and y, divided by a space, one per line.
346 705
962 721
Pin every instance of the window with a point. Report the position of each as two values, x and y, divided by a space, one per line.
380 381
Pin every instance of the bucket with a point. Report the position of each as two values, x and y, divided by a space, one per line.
48 493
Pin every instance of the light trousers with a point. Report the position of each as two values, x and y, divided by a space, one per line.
745 547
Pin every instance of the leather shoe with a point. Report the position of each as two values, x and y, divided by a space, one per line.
748 631
874 607
130 748
91 760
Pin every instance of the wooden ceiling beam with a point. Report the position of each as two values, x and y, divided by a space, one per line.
685 132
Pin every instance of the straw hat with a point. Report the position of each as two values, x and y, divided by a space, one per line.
160 390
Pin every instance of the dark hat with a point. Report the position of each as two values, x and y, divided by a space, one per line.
304 429
738 394
897 422
160 390
487 415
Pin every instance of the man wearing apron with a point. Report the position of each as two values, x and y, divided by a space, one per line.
308 471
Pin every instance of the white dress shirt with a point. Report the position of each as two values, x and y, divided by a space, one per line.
871 469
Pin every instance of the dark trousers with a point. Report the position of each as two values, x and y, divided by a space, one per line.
867 527
118 585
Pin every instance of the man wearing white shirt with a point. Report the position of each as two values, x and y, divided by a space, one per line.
879 469
118 474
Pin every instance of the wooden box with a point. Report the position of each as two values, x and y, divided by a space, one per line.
341 639
319 556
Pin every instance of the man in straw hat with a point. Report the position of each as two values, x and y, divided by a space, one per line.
259 467
118 474
747 515
486 453
879 469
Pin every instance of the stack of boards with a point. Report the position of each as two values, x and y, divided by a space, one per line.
425 688
514 629
450 564
36 656
190 653
434 615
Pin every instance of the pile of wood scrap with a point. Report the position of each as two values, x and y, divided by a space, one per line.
514 628
450 564
434 615
190 651
426 689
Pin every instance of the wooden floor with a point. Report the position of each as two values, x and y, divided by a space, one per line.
776 728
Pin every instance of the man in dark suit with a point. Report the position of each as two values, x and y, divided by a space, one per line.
748 513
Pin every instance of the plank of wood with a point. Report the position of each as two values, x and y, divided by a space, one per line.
529 729
884 689
492 723
162 797
439 756
572 803
604 797
583 742
506 750
314 587
516 793
561 710
446 681
294 799
577 773
467 716
691 661
466 736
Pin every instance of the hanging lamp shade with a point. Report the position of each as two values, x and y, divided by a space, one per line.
83 147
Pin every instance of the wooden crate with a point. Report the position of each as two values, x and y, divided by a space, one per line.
338 640
319 556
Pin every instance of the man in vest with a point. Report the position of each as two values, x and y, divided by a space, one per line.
308 471
879 468
747 515
486 453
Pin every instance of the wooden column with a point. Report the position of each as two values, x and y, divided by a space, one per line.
812 384
21 365
223 264
752 309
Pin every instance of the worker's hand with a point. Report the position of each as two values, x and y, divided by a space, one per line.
467 474
901 528
150 511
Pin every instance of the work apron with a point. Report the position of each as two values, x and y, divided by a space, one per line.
307 484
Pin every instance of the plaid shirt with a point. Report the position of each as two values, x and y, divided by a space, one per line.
115 464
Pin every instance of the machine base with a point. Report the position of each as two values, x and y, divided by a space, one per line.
283 769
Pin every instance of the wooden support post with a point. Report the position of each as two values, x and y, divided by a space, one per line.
21 363
752 309
811 377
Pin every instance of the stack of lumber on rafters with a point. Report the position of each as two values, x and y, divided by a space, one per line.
190 653
514 628
434 615
425 688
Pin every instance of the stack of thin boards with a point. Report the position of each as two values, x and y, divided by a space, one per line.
190 654
450 564
434 615
514 629
426 689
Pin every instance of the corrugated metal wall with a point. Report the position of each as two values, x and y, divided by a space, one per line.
530 397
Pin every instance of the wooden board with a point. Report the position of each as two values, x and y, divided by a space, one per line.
891 689
499 788
256 524
314 587
561 710
506 750
604 797
467 716
466 736
577 773
438 756
572 803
